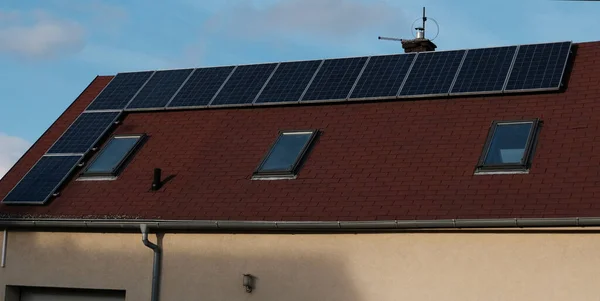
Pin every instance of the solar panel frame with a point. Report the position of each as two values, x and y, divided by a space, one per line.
259 102
99 110
95 141
265 84
562 65
121 104
462 68
329 73
182 84
351 96
131 106
54 188
311 80
461 53
358 77
174 104
512 64
239 83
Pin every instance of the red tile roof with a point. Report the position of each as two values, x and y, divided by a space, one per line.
373 161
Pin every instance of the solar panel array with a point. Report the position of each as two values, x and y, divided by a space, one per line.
487 70
473 71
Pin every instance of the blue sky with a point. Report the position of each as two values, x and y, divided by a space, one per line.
50 50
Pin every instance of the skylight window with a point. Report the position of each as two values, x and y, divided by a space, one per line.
509 145
286 154
111 159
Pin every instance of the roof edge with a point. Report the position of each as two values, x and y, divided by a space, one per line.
294 226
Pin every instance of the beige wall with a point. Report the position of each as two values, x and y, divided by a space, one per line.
348 267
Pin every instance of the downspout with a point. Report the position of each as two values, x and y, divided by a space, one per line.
4 242
155 263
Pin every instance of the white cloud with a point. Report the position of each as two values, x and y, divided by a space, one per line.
38 35
11 149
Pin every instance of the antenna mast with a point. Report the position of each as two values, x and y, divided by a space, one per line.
424 20
421 30
419 43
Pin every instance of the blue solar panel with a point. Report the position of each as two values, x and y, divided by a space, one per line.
383 76
84 132
335 79
201 87
120 91
42 180
288 82
484 70
539 67
432 73
244 84
159 89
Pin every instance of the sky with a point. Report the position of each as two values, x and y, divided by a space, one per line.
51 50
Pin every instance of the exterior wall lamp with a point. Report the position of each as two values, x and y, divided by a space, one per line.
248 282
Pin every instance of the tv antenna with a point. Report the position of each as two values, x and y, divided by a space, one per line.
419 33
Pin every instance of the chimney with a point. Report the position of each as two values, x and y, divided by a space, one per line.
418 45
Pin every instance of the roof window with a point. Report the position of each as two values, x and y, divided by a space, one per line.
286 154
113 156
509 146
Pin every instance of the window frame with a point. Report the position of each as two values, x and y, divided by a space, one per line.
530 144
119 167
293 171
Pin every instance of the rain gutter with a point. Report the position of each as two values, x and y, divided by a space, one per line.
293 226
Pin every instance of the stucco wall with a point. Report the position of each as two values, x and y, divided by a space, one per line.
348 267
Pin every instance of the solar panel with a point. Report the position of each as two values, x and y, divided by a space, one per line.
84 133
484 70
201 87
244 84
539 67
42 180
335 79
288 82
383 76
432 73
160 89
119 91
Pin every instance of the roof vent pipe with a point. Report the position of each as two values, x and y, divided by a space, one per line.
156 182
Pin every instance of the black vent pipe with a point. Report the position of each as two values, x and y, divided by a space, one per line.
156 182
